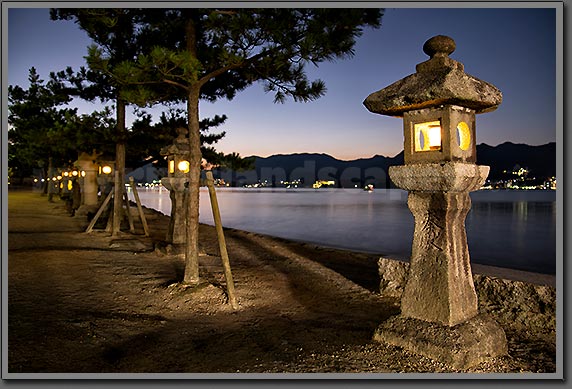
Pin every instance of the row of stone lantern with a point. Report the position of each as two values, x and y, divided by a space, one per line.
61 182
65 175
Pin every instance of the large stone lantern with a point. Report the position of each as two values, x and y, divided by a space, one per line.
89 187
176 182
439 315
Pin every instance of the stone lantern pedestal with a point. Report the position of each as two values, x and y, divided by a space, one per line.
176 234
439 315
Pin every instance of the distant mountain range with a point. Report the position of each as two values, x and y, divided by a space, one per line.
539 160
304 169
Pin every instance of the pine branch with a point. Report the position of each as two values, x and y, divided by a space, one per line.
171 82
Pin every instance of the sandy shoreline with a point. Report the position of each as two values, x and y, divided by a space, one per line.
515 275
487 270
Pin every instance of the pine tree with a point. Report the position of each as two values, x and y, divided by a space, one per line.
36 117
115 32
211 54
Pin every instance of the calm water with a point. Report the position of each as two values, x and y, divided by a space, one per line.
514 229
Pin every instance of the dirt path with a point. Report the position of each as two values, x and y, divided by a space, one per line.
88 303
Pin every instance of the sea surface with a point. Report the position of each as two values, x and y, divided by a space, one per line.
511 229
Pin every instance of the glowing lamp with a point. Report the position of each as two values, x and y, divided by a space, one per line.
177 155
74 173
177 165
106 169
427 136
183 166
434 137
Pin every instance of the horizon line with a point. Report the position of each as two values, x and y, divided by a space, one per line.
380 155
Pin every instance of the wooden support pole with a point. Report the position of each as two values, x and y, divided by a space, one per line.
139 208
115 221
129 216
99 212
221 240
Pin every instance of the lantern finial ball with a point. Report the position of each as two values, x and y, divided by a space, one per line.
439 46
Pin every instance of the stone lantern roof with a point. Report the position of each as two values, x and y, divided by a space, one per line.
180 144
438 81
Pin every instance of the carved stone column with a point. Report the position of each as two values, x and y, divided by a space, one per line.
440 284
176 234
89 185
439 314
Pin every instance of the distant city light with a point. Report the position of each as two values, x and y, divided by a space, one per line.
320 183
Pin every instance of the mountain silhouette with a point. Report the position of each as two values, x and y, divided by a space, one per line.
303 169
539 160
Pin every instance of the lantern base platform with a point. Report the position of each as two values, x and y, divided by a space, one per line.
176 248
461 346
129 242
86 210
439 177
167 248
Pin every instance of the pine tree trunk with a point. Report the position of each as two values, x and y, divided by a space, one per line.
192 239
192 242
120 168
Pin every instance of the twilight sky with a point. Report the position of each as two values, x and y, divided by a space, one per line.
512 48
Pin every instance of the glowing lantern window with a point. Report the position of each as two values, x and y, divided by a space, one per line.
463 136
171 166
106 169
183 166
428 136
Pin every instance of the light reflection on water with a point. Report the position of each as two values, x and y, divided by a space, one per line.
504 228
